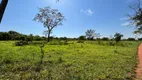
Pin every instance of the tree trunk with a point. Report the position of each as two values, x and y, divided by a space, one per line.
2 8
48 38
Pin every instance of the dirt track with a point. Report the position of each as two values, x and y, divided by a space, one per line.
139 68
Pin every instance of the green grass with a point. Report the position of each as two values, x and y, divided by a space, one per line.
75 61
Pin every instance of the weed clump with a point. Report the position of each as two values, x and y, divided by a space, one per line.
60 60
58 42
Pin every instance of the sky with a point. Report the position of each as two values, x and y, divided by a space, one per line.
104 16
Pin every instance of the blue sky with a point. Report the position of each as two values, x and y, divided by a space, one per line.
104 16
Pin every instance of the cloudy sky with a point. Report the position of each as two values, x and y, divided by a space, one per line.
104 16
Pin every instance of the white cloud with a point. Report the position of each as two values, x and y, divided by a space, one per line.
90 12
87 12
125 24
125 18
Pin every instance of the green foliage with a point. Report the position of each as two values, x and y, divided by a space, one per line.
82 38
13 35
117 37
131 39
140 39
105 38
37 38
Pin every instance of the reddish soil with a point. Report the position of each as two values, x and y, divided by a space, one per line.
139 68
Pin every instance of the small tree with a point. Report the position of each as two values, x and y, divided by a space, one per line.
118 37
50 18
90 34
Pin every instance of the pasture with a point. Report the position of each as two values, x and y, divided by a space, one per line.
73 61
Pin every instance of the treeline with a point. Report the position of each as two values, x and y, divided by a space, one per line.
13 35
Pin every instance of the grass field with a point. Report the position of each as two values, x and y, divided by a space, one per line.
75 61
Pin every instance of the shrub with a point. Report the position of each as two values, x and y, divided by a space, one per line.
21 43
80 41
65 42
111 43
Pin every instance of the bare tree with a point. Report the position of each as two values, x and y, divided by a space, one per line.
50 18
2 8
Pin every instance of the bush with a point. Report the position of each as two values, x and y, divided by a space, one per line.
80 41
111 43
21 43
65 42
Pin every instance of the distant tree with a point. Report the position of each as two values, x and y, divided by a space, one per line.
118 37
131 39
105 38
13 34
136 18
29 37
90 34
97 35
63 38
37 38
82 38
22 38
5 36
140 39
50 18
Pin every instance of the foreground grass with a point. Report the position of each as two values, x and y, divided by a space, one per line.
75 61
